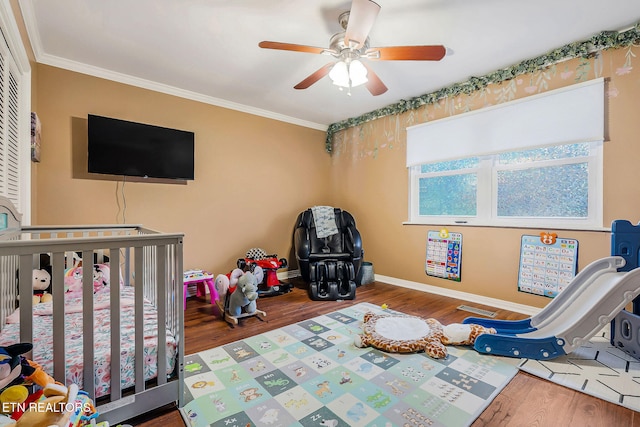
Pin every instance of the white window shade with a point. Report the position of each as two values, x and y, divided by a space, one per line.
562 116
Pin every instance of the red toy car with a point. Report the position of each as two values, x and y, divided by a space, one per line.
270 264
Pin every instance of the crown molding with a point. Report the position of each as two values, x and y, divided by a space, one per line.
170 90
28 14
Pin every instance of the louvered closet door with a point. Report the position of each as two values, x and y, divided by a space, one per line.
15 115
9 127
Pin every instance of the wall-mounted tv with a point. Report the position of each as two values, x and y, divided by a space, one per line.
120 147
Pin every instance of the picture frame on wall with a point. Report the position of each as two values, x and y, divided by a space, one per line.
36 130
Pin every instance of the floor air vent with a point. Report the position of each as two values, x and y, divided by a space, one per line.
477 311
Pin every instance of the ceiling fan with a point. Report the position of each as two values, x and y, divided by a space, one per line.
351 45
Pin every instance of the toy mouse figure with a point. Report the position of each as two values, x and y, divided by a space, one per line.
12 365
41 283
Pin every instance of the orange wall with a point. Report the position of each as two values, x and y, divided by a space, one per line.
252 175
369 163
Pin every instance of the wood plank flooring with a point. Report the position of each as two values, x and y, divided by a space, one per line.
526 401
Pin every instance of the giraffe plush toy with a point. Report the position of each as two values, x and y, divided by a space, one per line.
409 334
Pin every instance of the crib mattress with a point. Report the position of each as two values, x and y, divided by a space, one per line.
43 340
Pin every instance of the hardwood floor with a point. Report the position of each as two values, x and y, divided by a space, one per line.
526 401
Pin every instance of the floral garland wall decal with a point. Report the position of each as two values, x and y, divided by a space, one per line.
584 49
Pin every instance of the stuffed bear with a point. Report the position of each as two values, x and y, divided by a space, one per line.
41 284
243 298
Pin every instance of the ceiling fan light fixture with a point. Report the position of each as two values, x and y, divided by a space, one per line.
348 75
357 73
339 74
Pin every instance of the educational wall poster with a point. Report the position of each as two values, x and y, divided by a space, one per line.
444 254
547 264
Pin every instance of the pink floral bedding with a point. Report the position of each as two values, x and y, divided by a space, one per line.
43 340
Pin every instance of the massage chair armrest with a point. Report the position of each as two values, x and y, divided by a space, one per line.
352 238
302 243
353 242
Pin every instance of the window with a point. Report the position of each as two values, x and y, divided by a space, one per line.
15 115
533 162
541 187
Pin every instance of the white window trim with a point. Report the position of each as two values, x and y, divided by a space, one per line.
573 114
22 73
487 196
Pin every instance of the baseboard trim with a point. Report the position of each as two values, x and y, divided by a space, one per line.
465 296
422 287
289 274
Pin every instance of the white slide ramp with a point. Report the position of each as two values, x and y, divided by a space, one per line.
593 298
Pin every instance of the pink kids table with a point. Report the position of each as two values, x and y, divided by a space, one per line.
200 278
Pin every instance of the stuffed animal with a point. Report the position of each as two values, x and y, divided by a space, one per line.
13 366
41 283
15 389
32 396
53 406
398 333
227 282
38 375
31 375
259 273
54 409
243 298
73 278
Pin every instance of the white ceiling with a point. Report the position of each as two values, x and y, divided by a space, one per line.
208 49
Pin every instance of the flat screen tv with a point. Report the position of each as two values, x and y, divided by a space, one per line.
120 147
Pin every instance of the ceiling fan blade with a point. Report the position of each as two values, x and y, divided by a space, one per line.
361 18
374 84
315 76
407 53
291 46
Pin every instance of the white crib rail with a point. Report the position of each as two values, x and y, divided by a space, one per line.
148 260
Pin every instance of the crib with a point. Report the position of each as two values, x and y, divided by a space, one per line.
132 363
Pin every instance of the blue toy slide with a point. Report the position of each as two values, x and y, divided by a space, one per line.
592 299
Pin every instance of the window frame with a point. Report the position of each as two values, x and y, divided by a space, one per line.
487 192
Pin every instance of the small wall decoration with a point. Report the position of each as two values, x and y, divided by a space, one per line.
36 130
444 254
548 264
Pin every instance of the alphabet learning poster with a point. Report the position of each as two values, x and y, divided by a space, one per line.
547 264
444 254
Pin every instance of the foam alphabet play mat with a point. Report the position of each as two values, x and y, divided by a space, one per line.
311 374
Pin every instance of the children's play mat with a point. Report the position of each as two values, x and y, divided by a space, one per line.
311 374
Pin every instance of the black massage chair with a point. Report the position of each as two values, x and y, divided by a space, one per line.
330 265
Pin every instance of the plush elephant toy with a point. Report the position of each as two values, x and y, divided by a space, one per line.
243 299
227 282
